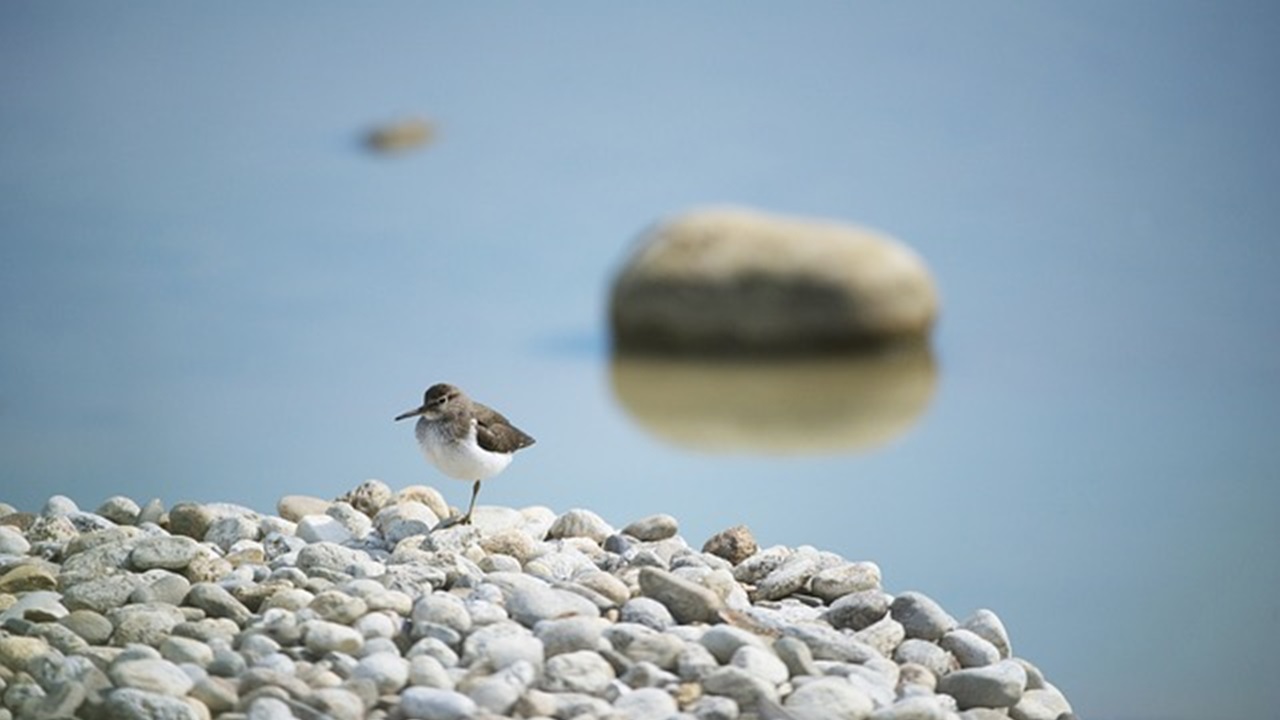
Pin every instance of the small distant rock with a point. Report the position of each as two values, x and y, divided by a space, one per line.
652 528
921 616
734 544
296 507
400 136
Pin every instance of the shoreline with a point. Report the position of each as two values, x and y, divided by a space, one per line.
367 607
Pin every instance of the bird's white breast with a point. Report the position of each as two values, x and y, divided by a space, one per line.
462 459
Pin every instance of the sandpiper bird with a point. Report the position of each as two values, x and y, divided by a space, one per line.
464 439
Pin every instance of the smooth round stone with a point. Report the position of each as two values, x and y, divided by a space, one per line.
646 704
754 568
167 552
356 522
134 704
58 505
161 586
581 671
858 609
734 544
648 675
398 521
829 644
17 651
653 527
828 699
425 703
442 608
388 671
580 523
296 507
180 650
338 607
694 662
796 656
986 624
992 686
322 528
761 663
426 495
12 542
157 676
92 626
969 648
921 617
514 543
505 649
329 556
323 637
120 510
725 640
648 612
427 671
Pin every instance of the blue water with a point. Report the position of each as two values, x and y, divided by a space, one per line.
210 290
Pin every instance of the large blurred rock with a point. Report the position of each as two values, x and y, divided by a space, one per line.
729 280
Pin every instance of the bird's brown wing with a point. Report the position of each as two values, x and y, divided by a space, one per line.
495 433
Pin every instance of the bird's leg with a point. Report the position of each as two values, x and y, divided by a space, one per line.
475 490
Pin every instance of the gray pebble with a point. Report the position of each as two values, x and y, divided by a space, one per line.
646 704
581 671
1045 703
145 623
563 635
687 601
714 707
134 704
120 510
12 542
647 611
653 527
858 609
530 600
993 686
921 617
987 625
828 699
426 703
927 654
725 640
152 675
745 689
885 635
760 662
217 602
969 649
580 523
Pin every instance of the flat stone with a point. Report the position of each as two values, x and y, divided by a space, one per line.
400 520
388 671
179 650
563 635
217 602
921 617
828 699
167 552
828 644
323 637
796 655
725 640
859 609
92 626
157 676
322 528
424 703
529 600
885 635
653 527
788 578
1046 703
120 510
296 507
734 544
337 703
687 601
913 708
833 583
993 686
100 595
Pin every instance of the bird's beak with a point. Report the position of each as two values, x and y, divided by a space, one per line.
411 413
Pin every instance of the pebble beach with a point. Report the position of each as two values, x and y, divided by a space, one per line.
365 606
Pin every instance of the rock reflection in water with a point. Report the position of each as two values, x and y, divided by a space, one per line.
824 404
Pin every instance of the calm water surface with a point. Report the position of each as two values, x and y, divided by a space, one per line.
209 291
